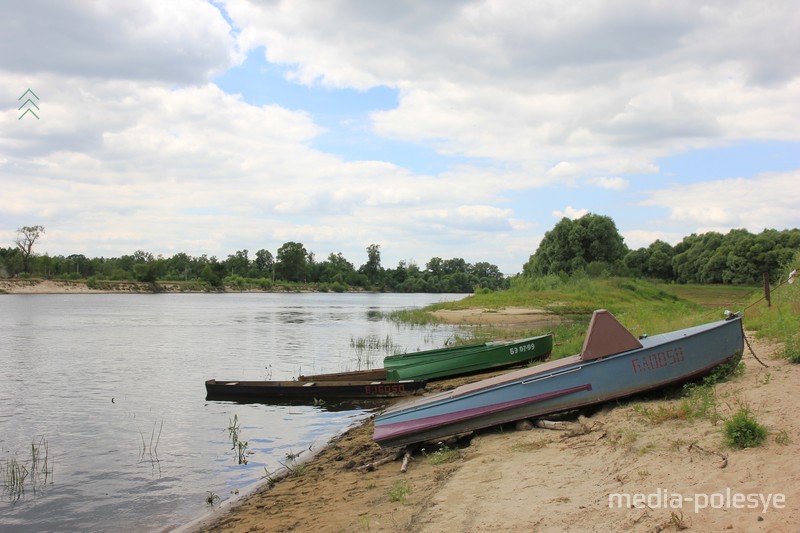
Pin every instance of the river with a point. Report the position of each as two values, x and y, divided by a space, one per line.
102 399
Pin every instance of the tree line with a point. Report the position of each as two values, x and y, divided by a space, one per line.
592 244
292 263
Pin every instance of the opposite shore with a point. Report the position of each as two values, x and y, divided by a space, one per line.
46 286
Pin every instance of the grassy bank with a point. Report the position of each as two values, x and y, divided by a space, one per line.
781 320
642 306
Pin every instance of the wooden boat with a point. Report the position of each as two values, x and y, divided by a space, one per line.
612 364
310 390
448 362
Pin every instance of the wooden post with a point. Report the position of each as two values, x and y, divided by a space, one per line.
766 289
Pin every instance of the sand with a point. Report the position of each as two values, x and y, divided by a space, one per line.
515 479
46 286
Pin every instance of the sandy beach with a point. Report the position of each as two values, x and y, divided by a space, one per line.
575 479
47 286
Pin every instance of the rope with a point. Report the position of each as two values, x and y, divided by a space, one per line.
754 353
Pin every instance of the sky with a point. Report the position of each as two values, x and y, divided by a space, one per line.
434 129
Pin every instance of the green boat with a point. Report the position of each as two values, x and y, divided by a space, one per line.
448 362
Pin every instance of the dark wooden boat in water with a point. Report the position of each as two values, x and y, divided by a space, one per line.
310 390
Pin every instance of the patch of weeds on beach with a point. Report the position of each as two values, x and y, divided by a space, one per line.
742 430
782 438
212 497
364 521
661 413
699 398
791 351
400 491
677 444
624 437
700 402
443 454
646 448
678 521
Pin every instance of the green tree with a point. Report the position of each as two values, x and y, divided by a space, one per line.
10 262
574 244
238 263
372 268
264 262
292 262
337 269
26 238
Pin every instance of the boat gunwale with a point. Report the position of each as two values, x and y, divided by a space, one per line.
465 350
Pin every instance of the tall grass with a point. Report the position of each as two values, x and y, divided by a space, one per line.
781 320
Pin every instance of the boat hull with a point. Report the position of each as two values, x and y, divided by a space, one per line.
563 385
448 362
309 390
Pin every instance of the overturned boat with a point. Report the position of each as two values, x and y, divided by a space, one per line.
612 364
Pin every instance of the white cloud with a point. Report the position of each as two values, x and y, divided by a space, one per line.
570 212
635 239
767 200
176 41
536 84
136 149
616 184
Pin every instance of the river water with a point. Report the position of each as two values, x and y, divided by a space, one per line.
102 398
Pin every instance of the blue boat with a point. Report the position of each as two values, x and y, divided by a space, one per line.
612 364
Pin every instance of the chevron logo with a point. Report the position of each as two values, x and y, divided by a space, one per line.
28 109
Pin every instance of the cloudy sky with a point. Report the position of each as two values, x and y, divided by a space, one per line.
451 129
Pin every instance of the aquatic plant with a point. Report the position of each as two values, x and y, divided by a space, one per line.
37 470
238 445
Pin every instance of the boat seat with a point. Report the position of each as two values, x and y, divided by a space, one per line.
606 336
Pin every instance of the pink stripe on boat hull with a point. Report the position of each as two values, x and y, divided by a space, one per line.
389 431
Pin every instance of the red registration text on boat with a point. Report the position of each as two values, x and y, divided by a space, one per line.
524 348
396 388
657 360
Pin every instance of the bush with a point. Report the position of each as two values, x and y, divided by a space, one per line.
743 430
792 351
338 287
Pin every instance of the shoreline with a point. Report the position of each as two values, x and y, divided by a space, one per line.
551 480
47 286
